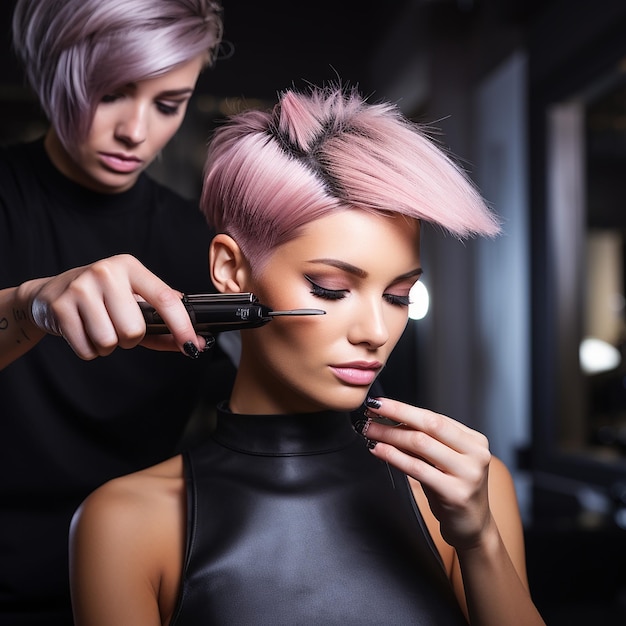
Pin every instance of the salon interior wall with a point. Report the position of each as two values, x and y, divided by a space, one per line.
502 398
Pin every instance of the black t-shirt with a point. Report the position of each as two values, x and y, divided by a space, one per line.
68 425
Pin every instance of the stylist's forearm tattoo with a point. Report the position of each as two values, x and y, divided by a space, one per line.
19 315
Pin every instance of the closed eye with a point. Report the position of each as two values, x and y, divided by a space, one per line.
397 300
110 97
168 109
326 294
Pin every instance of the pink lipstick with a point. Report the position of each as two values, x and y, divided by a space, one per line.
358 373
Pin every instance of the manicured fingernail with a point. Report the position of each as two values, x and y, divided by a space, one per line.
209 342
362 425
191 350
371 444
373 403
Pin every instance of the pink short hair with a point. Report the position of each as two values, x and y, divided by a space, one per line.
268 174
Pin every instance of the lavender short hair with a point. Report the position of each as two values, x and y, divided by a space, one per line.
76 51
268 174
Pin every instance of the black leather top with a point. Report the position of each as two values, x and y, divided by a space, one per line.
291 520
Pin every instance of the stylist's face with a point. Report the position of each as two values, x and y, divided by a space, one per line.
359 268
131 125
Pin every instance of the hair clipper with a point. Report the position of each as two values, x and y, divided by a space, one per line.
215 312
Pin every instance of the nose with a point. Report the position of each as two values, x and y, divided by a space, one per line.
132 125
369 325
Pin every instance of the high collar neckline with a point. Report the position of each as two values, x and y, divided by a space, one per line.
284 435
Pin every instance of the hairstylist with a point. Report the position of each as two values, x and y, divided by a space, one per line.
84 233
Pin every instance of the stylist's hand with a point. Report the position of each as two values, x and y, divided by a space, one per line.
95 309
450 460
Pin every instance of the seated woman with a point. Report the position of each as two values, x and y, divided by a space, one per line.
287 515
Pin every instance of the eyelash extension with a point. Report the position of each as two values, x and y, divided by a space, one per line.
397 300
339 294
326 294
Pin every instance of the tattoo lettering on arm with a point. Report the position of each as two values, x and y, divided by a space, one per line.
18 334
19 315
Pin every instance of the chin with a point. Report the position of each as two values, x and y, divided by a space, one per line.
349 400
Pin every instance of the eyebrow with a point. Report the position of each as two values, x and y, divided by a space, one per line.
170 93
361 273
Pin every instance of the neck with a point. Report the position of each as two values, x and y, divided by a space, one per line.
257 391
58 155
255 398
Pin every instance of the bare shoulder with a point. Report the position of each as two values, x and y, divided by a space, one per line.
500 477
504 506
134 510
134 498
127 540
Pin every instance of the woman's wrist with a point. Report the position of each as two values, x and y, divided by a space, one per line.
486 545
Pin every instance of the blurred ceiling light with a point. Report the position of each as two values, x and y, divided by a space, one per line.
598 356
419 298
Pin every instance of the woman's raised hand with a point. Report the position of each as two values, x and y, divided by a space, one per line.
450 460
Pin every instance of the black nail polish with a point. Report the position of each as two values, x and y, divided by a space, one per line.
370 414
361 426
210 342
371 444
373 403
191 350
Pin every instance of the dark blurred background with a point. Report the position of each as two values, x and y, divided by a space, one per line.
524 338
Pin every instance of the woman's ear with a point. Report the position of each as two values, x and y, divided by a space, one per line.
229 269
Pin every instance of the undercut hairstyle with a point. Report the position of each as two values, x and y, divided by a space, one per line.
74 52
268 174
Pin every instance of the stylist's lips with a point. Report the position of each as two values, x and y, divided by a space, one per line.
121 163
357 373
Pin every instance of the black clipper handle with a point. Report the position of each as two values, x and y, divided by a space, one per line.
212 313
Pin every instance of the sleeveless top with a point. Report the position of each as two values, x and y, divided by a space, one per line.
291 520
